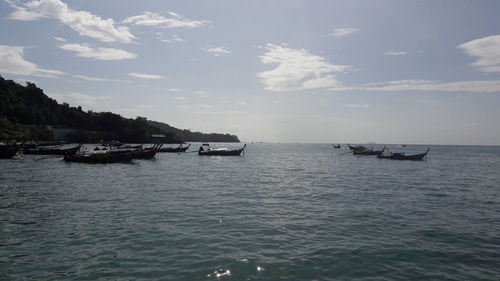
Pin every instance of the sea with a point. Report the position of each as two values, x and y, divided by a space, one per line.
278 212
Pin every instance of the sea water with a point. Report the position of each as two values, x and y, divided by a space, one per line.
279 212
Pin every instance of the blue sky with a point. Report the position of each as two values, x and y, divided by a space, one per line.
281 71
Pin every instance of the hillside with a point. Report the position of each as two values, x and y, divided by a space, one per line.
25 113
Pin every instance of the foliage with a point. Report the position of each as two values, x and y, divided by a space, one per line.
25 113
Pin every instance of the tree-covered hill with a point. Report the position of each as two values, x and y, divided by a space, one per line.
25 113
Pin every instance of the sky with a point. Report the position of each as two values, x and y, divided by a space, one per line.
384 71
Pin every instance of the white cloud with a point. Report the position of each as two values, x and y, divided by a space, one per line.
205 105
175 38
12 62
201 94
84 50
88 78
232 112
145 76
297 70
184 106
174 90
487 50
77 99
157 20
21 13
364 105
242 103
83 22
396 53
218 51
60 39
339 32
180 98
485 86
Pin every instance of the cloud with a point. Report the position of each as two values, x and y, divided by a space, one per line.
201 94
485 86
21 13
60 39
88 78
12 62
487 50
205 105
83 22
180 98
76 99
184 106
396 53
297 70
145 76
173 20
84 50
242 103
365 105
173 39
174 90
218 51
340 32
232 112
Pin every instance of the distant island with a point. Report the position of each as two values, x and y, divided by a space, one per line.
26 114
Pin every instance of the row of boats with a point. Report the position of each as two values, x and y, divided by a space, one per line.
384 154
108 153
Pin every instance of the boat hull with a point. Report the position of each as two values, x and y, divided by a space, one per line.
55 151
174 149
103 158
8 151
236 152
400 156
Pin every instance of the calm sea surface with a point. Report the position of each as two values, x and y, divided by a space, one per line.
280 212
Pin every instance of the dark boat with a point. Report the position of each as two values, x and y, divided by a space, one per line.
368 152
51 150
180 148
138 152
8 150
357 147
336 145
220 151
100 157
146 153
402 156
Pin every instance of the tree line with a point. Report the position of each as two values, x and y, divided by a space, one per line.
25 113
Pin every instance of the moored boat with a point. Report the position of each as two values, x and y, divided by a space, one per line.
100 157
8 150
220 151
368 151
357 147
180 148
138 152
402 156
336 145
51 150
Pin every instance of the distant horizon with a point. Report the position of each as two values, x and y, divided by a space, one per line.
306 71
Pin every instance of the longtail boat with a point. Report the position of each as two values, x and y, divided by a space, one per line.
368 152
100 157
138 152
402 156
336 145
357 147
51 150
180 148
220 151
8 150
